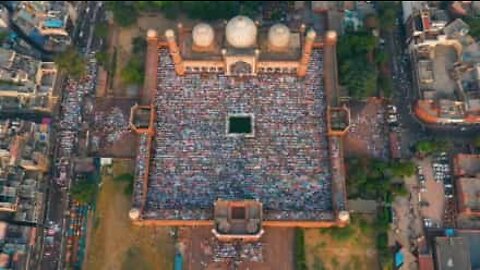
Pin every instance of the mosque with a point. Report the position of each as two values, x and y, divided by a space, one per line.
234 130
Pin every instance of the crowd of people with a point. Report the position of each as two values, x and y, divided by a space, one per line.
368 132
140 171
285 165
112 124
252 252
71 120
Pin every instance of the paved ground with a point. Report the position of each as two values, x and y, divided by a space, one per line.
433 195
197 245
368 133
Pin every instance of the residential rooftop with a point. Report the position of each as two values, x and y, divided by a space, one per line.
452 253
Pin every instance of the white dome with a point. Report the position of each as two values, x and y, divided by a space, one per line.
344 216
134 214
203 35
151 33
241 32
279 35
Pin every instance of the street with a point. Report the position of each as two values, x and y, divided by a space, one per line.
67 130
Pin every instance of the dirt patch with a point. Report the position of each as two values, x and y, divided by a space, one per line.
121 39
357 252
114 242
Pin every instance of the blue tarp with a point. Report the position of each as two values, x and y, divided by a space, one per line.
53 23
449 232
178 262
399 259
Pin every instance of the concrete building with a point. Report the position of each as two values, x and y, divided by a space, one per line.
446 61
26 83
452 253
467 173
45 22
24 149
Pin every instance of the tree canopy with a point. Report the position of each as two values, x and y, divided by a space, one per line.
427 147
101 30
84 191
124 12
476 142
356 72
371 178
134 71
387 14
72 62
474 23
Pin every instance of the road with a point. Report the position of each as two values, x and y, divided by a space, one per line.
58 198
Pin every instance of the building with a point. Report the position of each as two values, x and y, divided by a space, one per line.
452 253
26 83
24 149
467 173
446 61
45 22
234 131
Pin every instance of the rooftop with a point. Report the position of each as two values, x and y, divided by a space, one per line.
452 253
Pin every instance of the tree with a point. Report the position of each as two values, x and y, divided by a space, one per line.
210 10
387 14
3 36
101 30
402 168
424 147
83 191
103 59
427 147
72 62
133 73
474 24
357 73
300 257
476 142
127 178
124 13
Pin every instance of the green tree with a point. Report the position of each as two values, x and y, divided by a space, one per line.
474 23
300 257
210 10
103 59
127 178
424 147
101 30
3 37
356 72
427 147
387 14
72 62
402 168
133 73
84 191
476 142
124 12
